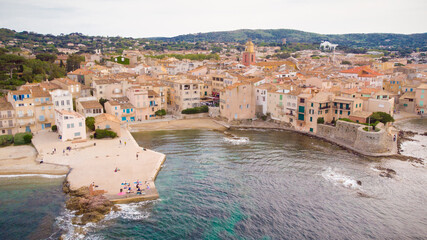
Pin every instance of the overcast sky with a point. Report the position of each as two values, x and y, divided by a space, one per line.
152 18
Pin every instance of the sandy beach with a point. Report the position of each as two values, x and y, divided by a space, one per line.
95 161
17 160
201 123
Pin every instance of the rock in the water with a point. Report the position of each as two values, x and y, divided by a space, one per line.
386 172
91 217
93 208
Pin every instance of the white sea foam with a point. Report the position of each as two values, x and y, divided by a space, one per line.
339 179
32 175
64 222
236 141
131 211
417 148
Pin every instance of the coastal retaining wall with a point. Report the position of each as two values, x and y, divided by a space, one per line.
352 134
193 116
214 112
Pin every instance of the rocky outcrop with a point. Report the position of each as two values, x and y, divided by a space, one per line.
89 208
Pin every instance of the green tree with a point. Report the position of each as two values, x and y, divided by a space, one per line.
160 113
216 49
46 57
102 101
382 117
73 62
90 123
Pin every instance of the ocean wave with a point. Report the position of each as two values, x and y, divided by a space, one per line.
65 223
236 140
339 179
131 211
32 175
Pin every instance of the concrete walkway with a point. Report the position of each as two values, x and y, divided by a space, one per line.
96 161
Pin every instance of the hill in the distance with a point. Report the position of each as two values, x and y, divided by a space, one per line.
369 40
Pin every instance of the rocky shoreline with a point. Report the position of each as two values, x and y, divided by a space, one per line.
88 207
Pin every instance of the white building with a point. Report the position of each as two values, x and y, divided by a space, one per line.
71 125
62 100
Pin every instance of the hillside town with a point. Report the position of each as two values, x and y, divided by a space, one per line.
311 88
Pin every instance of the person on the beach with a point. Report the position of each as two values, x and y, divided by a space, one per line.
125 143
120 142
136 156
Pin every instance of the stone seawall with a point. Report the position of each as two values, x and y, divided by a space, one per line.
352 134
361 142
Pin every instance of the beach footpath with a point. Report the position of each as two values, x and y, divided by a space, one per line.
106 164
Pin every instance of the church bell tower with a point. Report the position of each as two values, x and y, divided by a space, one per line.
248 57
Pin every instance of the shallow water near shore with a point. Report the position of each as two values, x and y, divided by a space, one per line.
265 185
29 206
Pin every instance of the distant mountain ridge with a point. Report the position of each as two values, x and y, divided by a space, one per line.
368 40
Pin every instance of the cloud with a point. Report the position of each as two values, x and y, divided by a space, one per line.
143 18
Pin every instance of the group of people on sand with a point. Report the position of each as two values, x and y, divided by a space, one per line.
138 187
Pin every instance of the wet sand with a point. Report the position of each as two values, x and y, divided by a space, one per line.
184 124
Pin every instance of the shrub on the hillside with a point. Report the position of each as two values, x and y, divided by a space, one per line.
23 138
103 133
90 123
54 128
6 140
202 109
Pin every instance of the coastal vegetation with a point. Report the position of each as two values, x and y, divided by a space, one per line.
6 140
22 138
160 113
54 128
202 109
18 139
104 133
381 117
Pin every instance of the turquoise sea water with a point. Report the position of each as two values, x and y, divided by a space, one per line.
267 185
29 207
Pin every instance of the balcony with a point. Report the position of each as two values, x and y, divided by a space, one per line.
324 107
7 126
6 116
341 108
25 115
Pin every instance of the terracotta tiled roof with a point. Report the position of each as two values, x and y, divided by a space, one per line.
91 104
38 92
5 105
65 81
106 117
81 71
363 71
